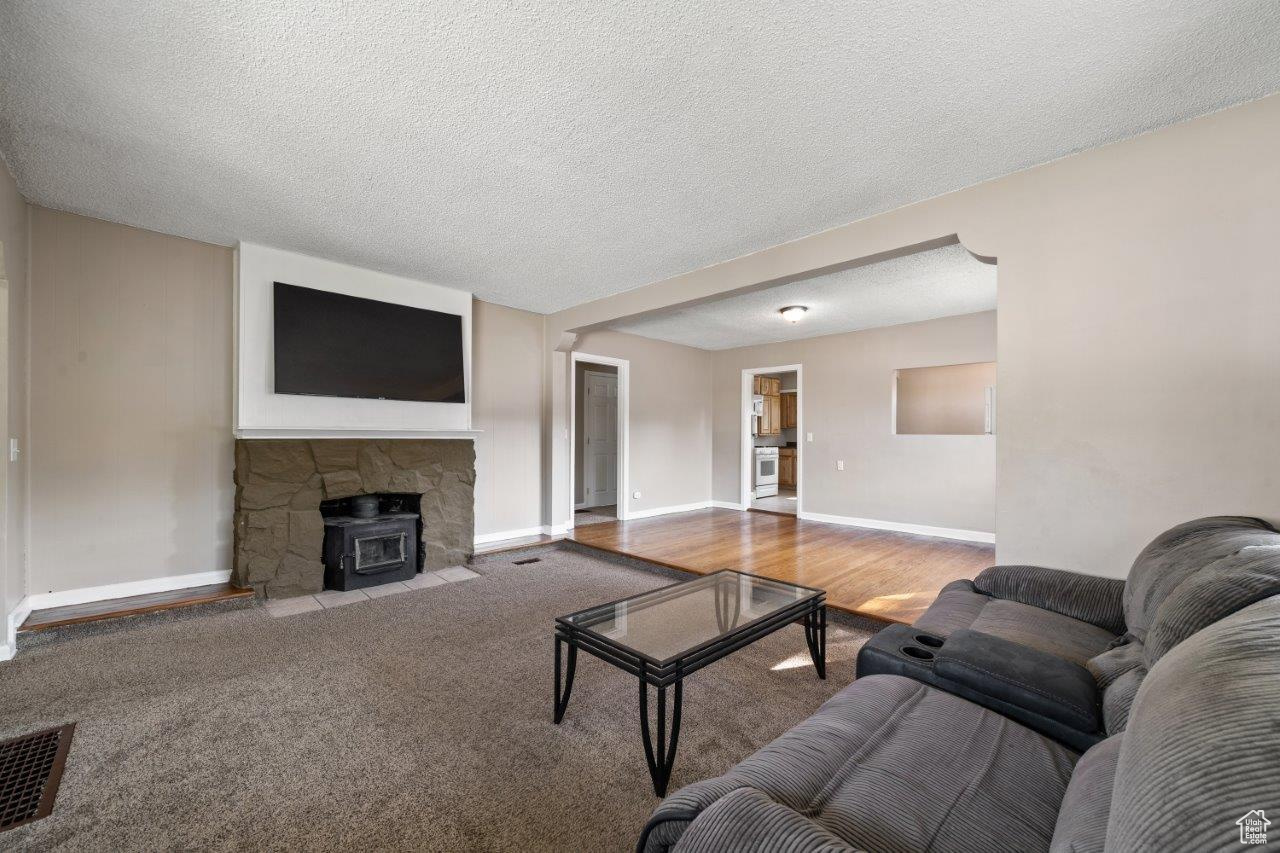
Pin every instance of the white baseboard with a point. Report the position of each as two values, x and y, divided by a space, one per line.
562 529
20 613
901 527
44 600
667 510
729 505
15 617
503 535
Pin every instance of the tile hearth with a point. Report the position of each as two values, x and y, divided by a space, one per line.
331 598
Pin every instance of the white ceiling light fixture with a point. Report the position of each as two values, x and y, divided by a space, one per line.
793 313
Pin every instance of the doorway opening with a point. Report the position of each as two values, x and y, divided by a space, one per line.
772 406
599 439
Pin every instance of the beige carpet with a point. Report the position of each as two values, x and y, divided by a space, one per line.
420 721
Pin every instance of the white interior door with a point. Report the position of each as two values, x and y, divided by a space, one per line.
600 456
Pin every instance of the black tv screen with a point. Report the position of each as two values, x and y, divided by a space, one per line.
334 345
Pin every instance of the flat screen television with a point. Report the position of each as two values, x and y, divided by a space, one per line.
333 345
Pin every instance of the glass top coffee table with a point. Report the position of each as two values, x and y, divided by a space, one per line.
663 635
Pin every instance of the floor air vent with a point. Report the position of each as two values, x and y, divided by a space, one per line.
30 770
526 561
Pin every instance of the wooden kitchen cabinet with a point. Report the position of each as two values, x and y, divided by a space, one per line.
787 467
770 421
790 411
767 386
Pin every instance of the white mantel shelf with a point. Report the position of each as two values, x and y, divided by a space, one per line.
282 432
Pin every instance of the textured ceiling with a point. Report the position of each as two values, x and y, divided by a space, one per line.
940 283
545 153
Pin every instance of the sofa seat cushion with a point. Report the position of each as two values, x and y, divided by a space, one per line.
960 606
1086 809
956 606
1045 630
887 764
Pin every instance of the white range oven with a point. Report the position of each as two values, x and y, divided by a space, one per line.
765 481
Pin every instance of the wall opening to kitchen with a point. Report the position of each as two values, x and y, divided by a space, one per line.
950 399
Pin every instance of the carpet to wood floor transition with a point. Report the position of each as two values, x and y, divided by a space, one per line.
419 721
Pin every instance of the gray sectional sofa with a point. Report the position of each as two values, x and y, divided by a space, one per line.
1185 660
1188 577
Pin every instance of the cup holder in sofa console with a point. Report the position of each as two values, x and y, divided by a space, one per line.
900 650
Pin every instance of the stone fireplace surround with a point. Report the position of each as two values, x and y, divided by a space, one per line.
280 483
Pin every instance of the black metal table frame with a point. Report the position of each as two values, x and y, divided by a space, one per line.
811 611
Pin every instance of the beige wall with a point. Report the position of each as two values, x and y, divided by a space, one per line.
579 419
131 446
946 399
131 406
669 422
506 383
13 274
846 402
1138 353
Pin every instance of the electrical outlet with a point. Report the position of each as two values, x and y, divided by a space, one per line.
839 464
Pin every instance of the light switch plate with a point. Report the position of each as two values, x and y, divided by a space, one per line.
13 450
810 436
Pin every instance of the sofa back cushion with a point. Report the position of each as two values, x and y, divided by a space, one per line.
1180 553
1187 579
1217 590
1203 741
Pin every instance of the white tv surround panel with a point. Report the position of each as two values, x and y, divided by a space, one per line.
261 413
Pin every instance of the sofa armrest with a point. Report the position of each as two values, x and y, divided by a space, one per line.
1020 677
675 813
747 819
1089 598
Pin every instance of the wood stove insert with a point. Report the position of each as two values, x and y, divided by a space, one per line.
367 543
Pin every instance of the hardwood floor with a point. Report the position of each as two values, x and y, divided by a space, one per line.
884 575
94 611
